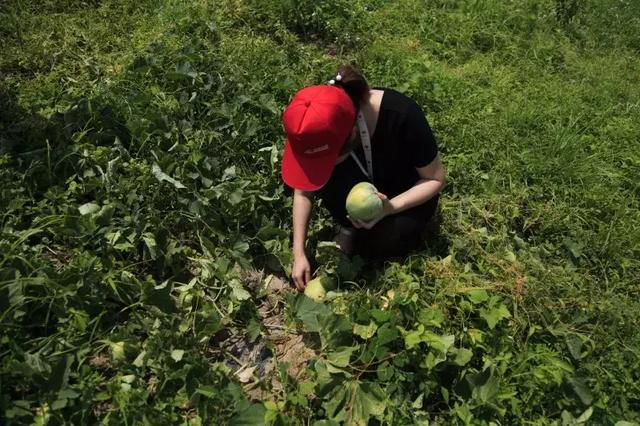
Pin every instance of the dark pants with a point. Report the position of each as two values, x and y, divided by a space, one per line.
395 235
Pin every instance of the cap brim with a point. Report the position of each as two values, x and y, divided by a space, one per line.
307 173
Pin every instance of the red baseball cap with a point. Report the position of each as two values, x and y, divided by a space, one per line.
317 122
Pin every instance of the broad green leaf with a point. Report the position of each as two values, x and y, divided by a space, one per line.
477 295
336 404
20 408
463 412
340 358
103 217
177 354
567 418
355 403
150 242
241 246
488 391
326 422
380 316
102 396
254 415
139 361
413 338
432 317
337 370
462 356
162 176
129 378
58 404
310 312
431 359
88 208
585 416
235 197
439 346
438 342
336 330
365 331
160 296
206 181
493 315
68 394
417 403
482 386
580 387
208 391
519 242
510 256
574 343
477 336
574 247
60 374
385 371
229 173
306 387
238 290
386 334
328 378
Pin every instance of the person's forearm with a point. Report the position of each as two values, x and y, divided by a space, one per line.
420 193
302 203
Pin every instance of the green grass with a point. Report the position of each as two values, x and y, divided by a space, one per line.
143 216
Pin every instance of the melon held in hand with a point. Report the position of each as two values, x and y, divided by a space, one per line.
363 202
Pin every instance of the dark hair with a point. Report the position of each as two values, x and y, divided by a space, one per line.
353 83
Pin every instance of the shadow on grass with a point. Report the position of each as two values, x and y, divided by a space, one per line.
42 150
433 244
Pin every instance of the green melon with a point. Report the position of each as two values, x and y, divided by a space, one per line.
317 288
363 202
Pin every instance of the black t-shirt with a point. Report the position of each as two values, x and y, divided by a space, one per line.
402 141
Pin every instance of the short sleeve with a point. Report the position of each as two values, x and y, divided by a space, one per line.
420 143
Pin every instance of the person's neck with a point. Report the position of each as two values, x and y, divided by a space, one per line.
370 107
366 105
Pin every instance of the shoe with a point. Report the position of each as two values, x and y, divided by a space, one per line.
345 239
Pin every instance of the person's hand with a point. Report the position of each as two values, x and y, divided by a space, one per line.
301 271
387 209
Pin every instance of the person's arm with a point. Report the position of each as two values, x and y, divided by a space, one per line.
431 182
302 204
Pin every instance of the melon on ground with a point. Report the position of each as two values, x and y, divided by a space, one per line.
317 288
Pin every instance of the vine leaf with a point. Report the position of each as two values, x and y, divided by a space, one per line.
355 403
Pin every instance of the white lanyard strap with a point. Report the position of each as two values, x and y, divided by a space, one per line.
357 160
366 145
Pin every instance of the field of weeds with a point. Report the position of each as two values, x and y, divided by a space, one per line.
145 230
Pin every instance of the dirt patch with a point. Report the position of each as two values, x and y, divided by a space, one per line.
293 350
58 257
252 279
254 363
100 361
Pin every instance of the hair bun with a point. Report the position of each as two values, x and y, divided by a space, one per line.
352 81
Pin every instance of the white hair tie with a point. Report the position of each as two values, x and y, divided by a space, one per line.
333 81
